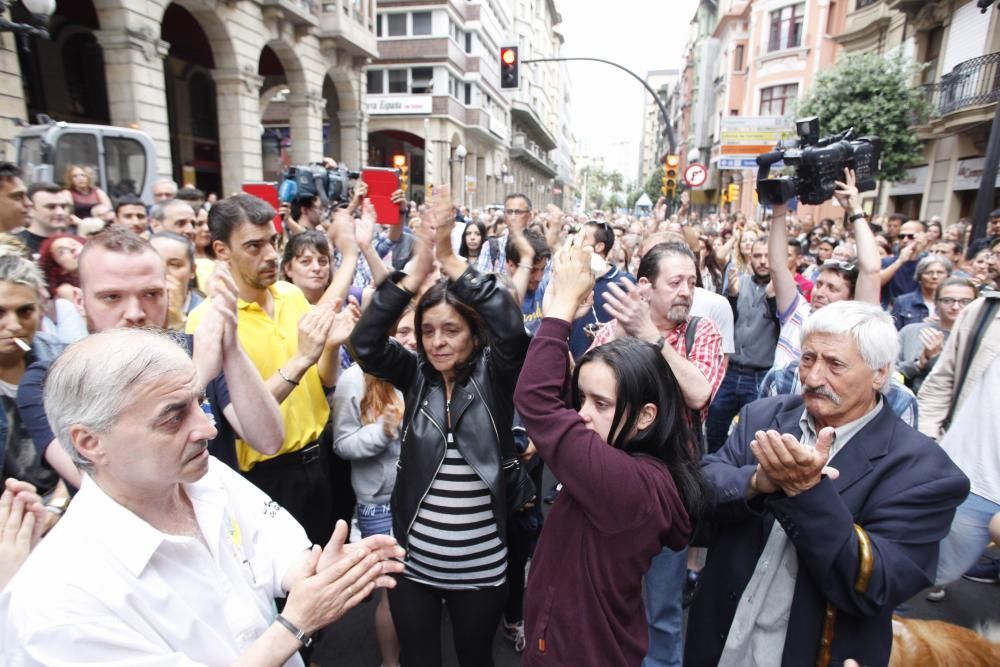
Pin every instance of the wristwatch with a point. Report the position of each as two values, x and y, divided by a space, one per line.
857 216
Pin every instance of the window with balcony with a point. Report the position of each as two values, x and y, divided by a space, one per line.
375 81
423 80
738 58
786 27
861 4
778 100
398 81
414 81
931 54
421 23
396 25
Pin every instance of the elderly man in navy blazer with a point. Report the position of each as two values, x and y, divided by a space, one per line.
829 511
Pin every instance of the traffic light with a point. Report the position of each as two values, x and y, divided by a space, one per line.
509 62
734 192
670 175
399 162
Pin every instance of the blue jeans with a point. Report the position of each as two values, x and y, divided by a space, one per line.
967 538
374 520
664 588
739 387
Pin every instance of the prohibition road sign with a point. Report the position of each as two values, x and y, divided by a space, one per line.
695 175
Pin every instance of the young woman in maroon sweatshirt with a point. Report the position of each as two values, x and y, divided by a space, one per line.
616 437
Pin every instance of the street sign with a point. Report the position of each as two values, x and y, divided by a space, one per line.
744 138
695 175
743 163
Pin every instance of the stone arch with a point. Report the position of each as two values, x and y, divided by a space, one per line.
212 19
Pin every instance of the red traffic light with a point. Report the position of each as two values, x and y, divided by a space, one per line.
509 77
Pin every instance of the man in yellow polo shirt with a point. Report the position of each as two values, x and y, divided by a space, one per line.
295 348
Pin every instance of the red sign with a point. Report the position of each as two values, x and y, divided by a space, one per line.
269 193
695 175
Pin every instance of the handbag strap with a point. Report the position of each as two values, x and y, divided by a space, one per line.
979 329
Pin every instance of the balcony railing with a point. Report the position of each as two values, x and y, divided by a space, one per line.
972 83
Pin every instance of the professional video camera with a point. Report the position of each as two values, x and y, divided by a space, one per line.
302 183
817 163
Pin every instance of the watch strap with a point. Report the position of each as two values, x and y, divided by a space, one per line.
301 636
857 216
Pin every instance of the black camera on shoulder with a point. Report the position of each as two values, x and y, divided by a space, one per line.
302 183
817 163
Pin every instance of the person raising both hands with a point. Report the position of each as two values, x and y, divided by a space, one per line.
624 452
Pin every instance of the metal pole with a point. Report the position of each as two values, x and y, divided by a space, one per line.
667 130
987 186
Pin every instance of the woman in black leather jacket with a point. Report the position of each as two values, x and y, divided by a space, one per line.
450 503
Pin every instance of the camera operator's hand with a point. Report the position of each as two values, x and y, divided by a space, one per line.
847 194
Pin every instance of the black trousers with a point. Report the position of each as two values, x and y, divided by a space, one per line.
474 615
301 483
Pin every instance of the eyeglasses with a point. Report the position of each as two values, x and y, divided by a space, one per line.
516 211
949 302
907 236
839 265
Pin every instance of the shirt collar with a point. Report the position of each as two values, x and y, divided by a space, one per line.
130 538
843 433
251 305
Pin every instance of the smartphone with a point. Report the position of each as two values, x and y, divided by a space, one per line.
381 184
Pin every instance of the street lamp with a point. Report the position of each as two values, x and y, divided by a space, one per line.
38 11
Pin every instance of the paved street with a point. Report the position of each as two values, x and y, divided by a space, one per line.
351 642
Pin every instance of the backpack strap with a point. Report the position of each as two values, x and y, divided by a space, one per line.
983 321
696 425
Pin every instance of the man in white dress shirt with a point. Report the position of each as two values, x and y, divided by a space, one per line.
166 556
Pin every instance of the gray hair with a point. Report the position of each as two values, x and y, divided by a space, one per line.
158 211
871 328
89 387
929 261
20 271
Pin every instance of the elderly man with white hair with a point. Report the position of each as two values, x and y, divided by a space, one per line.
167 556
828 512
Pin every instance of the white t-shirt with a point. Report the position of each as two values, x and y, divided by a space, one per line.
971 441
716 308
105 587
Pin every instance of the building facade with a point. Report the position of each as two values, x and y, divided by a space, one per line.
434 97
958 48
201 76
652 145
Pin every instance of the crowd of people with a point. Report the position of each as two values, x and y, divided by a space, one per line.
225 426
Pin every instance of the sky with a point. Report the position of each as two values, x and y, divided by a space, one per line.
606 103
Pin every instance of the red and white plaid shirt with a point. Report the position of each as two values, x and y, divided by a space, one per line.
706 352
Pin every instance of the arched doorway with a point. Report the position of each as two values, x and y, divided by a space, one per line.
384 144
276 141
331 125
63 77
191 101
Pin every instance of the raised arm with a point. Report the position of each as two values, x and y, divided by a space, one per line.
869 286
785 289
341 234
611 487
364 228
483 293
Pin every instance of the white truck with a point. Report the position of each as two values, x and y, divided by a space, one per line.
123 159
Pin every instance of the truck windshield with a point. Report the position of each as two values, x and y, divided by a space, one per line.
29 157
75 149
126 166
